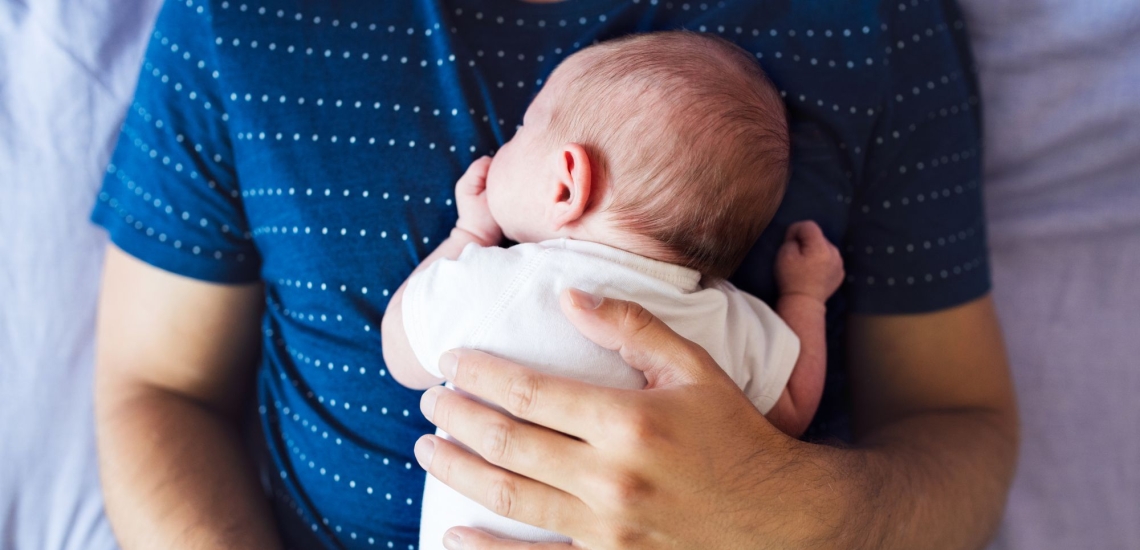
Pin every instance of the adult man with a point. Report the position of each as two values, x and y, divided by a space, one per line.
304 156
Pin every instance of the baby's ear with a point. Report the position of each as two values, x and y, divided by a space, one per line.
574 184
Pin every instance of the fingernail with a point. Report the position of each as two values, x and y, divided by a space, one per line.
424 450
448 362
584 300
427 402
452 541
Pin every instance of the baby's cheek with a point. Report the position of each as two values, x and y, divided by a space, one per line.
508 215
495 203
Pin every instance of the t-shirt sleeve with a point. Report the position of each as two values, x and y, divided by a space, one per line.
170 196
772 356
449 304
916 240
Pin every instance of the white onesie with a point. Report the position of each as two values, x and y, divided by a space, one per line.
505 301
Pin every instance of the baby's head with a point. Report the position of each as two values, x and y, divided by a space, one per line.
672 145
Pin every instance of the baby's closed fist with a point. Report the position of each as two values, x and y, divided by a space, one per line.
807 263
471 201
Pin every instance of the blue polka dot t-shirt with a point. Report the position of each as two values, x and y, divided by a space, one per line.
313 146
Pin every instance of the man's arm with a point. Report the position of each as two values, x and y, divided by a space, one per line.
936 424
689 463
174 362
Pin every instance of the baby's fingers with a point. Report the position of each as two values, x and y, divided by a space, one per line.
808 235
474 180
802 231
791 249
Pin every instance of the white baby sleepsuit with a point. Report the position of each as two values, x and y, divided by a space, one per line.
505 301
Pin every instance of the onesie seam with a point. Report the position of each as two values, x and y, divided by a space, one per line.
478 335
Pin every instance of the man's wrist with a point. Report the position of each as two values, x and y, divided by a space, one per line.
823 495
845 482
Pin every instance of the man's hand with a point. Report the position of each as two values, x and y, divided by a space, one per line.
689 463
471 201
686 463
808 264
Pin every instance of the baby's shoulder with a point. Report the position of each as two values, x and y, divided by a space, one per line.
498 258
548 257
740 303
486 270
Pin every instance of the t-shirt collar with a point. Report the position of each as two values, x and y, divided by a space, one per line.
686 279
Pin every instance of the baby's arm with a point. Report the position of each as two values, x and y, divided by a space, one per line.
808 271
475 225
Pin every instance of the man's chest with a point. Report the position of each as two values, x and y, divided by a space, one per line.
350 124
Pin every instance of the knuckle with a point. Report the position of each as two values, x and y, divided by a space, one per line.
694 352
442 466
497 442
624 490
628 536
501 496
690 352
635 318
467 372
441 416
636 426
625 533
522 392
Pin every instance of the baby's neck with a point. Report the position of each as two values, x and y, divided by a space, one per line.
612 235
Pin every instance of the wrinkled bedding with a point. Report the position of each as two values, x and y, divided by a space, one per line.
67 71
1060 87
1061 94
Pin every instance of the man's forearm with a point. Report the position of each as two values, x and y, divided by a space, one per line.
175 475
936 428
936 480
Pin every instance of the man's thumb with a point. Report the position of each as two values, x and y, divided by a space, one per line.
644 341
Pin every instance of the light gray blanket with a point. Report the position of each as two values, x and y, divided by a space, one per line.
1061 94
67 73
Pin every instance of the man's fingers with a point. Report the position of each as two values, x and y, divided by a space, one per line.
569 406
527 449
466 538
643 340
504 493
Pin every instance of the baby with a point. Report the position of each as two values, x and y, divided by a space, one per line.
644 170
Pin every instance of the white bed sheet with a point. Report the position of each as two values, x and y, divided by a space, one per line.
67 72
1061 95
